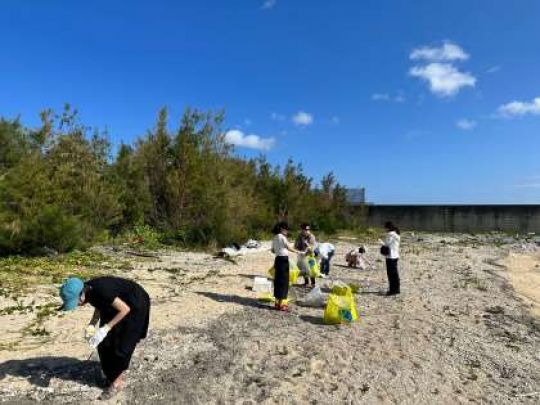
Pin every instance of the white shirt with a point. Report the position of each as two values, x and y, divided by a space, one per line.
279 245
392 241
325 249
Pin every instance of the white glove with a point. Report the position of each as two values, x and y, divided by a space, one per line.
98 337
89 332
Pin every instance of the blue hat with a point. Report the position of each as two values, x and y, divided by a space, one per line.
70 293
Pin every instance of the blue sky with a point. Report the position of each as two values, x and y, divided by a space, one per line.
424 101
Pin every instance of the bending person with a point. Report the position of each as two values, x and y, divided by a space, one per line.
326 250
123 309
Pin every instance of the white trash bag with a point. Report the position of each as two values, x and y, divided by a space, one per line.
262 285
315 298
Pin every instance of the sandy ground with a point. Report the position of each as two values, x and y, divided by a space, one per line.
524 274
464 330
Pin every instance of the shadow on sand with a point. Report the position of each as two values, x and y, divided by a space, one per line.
40 370
315 320
235 299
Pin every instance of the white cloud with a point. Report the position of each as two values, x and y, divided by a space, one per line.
448 52
493 69
466 124
380 97
444 79
302 118
277 117
269 4
399 98
519 108
238 138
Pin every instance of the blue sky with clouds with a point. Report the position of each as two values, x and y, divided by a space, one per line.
421 101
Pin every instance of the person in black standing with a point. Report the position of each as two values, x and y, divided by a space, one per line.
281 248
123 309
390 249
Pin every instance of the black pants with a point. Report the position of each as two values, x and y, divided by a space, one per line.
393 275
117 348
308 280
281 277
325 264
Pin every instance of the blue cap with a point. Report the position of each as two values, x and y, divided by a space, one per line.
70 293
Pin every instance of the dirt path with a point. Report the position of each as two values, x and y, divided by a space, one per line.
457 334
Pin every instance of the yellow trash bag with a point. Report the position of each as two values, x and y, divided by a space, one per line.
266 297
340 307
314 268
294 272
269 297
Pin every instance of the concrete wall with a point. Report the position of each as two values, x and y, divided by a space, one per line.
457 218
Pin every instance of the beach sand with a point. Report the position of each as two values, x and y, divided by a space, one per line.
463 330
524 274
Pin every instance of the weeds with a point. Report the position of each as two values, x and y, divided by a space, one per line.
471 282
19 273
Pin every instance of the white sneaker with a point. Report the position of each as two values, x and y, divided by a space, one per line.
324 276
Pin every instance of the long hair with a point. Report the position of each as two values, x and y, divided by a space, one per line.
279 227
389 226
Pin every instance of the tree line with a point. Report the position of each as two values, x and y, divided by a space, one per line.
62 188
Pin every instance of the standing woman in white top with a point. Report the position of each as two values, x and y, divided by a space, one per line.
391 251
281 248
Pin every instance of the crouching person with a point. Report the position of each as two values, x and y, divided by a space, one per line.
355 258
123 310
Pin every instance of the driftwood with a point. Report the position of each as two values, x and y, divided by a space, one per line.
142 254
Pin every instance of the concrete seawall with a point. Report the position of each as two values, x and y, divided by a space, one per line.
457 218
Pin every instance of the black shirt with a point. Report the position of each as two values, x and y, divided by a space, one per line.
104 290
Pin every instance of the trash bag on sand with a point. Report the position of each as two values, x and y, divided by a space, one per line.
269 297
293 274
340 307
266 297
315 298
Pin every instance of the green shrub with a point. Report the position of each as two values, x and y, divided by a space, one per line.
50 228
55 229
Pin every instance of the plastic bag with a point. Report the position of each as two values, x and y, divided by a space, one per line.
293 274
262 285
266 297
314 268
315 298
269 297
340 307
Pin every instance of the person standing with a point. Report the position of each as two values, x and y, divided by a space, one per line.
123 310
281 248
390 249
326 250
305 242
